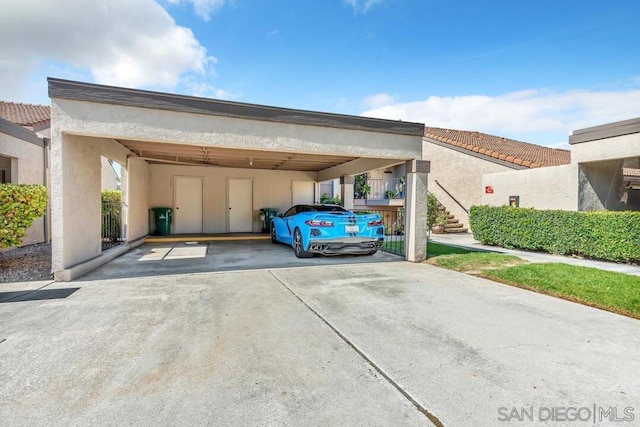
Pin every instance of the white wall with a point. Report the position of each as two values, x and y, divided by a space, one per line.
75 196
138 185
618 147
461 174
271 189
27 167
118 121
109 179
542 188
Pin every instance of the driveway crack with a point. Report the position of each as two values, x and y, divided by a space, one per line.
360 353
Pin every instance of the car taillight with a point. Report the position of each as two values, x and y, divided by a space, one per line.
375 223
316 223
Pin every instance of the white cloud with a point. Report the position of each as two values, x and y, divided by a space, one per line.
529 111
197 87
379 100
363 6
120 42
203 8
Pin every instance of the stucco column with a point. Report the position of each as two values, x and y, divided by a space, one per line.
415 226
346 191
75 202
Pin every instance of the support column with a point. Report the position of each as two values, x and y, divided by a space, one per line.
346 191
415 243
75 202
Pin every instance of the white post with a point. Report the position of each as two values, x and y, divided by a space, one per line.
346 191
415 244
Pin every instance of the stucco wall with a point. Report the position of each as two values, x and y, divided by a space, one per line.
27 167
600 187
542 188
137 198
618 147
143 124
271 189
109 179
75 196
461 174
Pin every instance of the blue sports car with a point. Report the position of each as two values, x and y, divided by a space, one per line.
327 230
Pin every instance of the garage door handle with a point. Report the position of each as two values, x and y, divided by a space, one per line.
229 208
177 207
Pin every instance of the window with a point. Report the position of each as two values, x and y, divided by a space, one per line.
5 170
291 211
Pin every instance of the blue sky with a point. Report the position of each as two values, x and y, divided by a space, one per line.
530 70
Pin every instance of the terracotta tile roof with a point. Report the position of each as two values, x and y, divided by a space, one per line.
509 150
631 172
24 114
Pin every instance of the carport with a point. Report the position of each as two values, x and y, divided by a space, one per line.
216 163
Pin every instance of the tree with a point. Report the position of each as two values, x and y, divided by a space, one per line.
432 211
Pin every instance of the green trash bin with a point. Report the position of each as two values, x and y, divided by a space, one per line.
267 215
163 221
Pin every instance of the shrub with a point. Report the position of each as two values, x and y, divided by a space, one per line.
606 235
111 207
325 198
432 210
20 205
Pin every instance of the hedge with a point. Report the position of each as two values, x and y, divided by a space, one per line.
20 205
605 235
111 209
111 196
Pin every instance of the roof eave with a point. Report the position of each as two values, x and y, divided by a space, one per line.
89 92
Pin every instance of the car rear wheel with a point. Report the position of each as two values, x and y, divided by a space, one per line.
297 245
273 234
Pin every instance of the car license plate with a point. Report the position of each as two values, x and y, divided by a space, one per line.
351 229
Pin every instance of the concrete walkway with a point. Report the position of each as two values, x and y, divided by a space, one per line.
375 344
466 240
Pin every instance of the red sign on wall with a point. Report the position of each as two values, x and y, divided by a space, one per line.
488 189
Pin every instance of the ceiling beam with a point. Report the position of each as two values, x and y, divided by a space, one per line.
355 167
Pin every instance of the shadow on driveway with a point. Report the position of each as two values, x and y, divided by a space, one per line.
35 295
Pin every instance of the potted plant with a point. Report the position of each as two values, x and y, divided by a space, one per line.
440 223
365 189
389 194
400 187
362 187
399 229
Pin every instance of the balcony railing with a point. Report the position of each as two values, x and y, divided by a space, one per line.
387 188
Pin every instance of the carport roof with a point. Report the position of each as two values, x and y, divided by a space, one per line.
195 155
79 91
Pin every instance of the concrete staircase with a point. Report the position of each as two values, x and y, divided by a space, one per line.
453 225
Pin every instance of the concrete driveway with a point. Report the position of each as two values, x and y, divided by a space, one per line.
383 343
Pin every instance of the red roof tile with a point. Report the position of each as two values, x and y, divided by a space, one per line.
509 150
24 114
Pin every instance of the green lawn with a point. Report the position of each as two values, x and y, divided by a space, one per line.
393 246
608 290
433 249
616 292
474 262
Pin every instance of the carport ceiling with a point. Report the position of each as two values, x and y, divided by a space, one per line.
165 153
